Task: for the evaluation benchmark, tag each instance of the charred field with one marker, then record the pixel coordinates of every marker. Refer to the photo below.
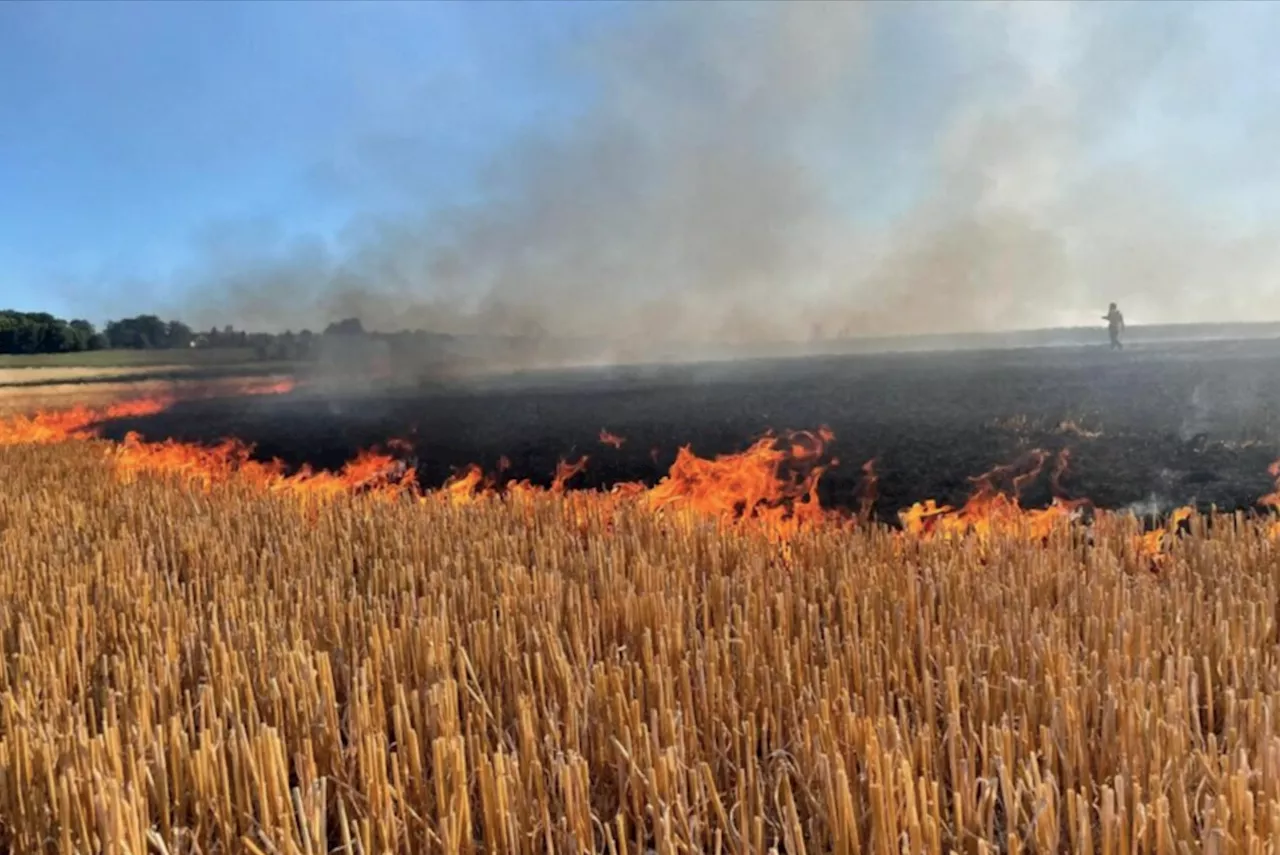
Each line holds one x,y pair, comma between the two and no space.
1148,428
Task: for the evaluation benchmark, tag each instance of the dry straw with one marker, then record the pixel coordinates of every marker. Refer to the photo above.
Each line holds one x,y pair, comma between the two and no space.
231,670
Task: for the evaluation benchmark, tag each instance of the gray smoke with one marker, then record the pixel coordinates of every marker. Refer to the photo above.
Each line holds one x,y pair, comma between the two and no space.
755,173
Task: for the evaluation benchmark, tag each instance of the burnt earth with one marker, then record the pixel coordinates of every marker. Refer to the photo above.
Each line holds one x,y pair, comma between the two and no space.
1179,423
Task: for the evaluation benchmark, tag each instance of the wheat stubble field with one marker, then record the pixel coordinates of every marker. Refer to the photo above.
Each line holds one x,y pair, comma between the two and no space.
208,656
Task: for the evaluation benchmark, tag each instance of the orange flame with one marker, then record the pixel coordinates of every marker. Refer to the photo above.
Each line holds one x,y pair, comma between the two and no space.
262,387
460,489
370,470
1151,545
772,485
990,509
79,422
613,439
750,484
1272,499
567,471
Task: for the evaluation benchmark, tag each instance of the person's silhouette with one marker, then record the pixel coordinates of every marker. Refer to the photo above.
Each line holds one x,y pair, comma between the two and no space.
1115,326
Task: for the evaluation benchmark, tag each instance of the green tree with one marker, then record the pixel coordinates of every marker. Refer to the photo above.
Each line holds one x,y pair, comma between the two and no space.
144,332
41,332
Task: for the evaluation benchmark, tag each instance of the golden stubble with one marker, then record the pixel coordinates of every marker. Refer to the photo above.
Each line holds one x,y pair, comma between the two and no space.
230,670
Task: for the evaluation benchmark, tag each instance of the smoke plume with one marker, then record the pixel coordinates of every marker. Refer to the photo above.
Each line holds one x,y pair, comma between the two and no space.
754,173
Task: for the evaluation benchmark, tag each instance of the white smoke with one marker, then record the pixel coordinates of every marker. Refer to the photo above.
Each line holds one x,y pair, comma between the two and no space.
779,172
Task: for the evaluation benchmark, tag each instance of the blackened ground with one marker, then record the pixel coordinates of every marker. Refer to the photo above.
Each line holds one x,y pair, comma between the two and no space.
1194,423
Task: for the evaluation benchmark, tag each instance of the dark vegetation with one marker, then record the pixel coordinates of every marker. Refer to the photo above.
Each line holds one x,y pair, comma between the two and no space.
29,333
40,332
38,339
1180,423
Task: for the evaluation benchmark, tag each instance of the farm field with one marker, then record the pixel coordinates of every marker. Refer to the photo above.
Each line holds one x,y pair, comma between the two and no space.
206,652
135,359
55,395
105,375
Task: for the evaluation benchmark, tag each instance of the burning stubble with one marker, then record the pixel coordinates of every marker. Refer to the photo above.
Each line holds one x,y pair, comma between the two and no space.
769,488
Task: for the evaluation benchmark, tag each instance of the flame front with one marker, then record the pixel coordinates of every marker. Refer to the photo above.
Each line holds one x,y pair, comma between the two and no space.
991,510
371,470
76,423
775,486
1153,545
81,422
770,486
566,472
268,386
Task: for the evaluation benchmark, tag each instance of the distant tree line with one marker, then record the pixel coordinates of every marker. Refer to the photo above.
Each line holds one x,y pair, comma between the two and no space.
40,332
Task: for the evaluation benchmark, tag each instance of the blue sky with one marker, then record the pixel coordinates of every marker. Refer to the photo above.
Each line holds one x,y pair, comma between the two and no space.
906,166
130,132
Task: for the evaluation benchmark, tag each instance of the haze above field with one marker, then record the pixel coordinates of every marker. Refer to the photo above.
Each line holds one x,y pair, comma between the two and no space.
721,174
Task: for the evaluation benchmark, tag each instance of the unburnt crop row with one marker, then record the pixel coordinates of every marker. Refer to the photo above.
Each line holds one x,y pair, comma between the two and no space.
229,669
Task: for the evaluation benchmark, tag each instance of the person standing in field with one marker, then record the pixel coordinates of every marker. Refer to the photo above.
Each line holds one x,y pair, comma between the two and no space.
1115,326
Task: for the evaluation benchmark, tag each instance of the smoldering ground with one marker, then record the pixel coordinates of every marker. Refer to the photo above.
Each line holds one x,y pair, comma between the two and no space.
762,173
932,422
